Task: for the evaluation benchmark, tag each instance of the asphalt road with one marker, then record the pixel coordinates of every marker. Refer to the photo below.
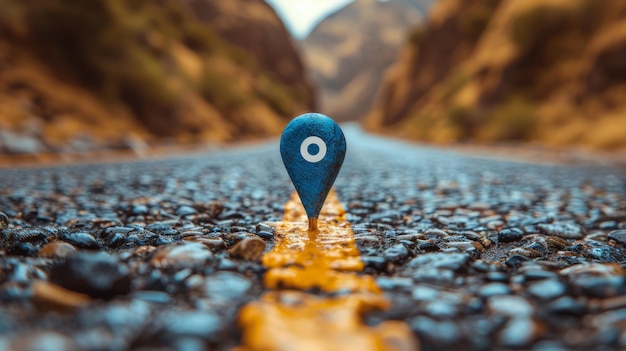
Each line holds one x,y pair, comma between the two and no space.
473,253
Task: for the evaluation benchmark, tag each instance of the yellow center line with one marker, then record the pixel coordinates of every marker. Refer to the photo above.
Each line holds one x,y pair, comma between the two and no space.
288,318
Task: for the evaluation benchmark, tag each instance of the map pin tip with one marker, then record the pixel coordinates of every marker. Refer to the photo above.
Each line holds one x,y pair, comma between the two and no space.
313,148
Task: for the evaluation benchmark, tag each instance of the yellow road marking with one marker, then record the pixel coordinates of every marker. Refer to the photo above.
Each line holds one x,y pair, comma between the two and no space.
289,319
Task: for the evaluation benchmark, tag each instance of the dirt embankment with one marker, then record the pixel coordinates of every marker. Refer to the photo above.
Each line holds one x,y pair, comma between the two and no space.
548,72
78,75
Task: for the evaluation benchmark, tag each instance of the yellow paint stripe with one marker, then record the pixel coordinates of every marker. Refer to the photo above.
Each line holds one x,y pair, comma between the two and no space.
290,319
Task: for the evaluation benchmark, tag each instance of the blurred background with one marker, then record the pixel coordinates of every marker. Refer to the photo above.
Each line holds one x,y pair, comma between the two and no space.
78,76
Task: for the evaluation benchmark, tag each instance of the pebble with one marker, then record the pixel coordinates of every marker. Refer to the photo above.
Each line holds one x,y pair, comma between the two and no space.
567,305
183,211
562,230
225,286
200,324
183,254
397,253
393,283
81,240
423,292
519,332
51,297
547,289
509,305
4,221
56,249
494,289
95,274
214,244
508,235
619,236
375,262
442,332
42,341
27,235
596,279
452,261
249,249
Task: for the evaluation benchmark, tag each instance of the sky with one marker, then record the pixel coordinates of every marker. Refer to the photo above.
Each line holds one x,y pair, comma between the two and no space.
301,16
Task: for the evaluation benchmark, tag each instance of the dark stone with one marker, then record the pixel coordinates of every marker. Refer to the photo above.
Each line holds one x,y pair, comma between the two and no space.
566,305
619,236
508,235
376,262
81,240
161,228
4,221
515,260
98,275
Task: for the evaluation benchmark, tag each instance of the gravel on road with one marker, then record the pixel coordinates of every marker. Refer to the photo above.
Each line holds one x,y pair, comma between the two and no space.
473,253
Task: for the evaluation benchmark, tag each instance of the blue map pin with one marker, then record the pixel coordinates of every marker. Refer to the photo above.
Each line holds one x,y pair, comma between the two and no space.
313,148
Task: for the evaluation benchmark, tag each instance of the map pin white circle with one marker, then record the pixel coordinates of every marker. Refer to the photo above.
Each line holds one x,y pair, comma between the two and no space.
313,140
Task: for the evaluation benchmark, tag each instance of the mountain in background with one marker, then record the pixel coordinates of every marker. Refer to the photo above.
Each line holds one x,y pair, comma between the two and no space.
546,71
78,75
348,52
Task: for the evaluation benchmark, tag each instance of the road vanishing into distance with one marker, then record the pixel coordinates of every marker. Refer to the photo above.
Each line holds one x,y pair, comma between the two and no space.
436,251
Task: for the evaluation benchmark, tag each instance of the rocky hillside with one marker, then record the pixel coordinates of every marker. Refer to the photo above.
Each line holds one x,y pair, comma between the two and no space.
78,75
546,71
350,50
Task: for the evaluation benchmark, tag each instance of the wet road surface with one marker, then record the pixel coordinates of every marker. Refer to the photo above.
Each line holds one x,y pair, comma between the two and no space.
471,253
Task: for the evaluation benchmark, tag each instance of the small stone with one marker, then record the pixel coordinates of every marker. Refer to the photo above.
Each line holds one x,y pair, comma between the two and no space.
265,235
32,235
139,210
562,230
422,293
41,341
597,279
212,243
51,297
226,286
181,254
519,332
427,246
493,289
525,252
508,305
204,325
452,261
375,262
81,240
98,275
393,283
183,211
397,253
161,228
443,332
152,296
567,305
56,249
249,249
547,289
515,260
508,235
618,235
4,221
441,309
